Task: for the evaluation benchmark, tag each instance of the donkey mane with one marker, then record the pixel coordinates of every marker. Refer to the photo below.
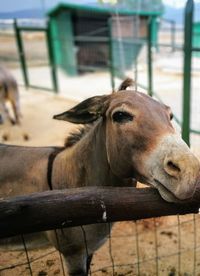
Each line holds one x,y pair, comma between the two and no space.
78,134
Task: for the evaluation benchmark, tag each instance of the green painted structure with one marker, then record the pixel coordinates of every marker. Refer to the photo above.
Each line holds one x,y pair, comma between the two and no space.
86,37
196,37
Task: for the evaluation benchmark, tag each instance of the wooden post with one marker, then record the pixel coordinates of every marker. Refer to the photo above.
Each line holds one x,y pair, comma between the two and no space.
80,206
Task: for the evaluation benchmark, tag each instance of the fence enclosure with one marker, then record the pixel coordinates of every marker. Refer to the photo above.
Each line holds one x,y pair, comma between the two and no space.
105,44
186,252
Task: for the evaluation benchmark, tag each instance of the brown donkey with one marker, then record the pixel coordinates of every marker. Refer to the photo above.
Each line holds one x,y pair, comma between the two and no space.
8,92
131,136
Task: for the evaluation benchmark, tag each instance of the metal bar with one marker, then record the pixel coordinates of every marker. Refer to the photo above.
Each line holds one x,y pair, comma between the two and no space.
194,131
137,248
166,45
106,39
195,49
188,22
32,29
177,47
179,245
156,247
167,20
91,39
92,68
105,9
51,57
21,53
149,54
111,62
100,30
168,29
173,33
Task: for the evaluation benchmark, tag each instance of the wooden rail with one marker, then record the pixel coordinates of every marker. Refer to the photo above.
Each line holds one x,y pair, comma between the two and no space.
73,207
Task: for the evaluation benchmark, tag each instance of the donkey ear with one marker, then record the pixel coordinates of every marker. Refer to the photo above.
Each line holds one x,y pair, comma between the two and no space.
86,112
125,84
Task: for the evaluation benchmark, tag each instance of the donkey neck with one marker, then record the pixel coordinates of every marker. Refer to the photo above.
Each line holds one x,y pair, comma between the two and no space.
85,163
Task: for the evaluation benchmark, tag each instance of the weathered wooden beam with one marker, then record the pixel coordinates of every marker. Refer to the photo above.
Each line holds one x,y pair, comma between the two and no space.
72,207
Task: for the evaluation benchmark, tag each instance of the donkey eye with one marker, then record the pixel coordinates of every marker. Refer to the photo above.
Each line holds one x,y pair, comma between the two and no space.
122,117
171,116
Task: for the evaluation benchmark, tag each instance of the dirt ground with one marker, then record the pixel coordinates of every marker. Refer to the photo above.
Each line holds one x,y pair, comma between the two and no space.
165,246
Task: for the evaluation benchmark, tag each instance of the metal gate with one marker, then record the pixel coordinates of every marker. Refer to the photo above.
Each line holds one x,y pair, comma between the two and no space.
22,51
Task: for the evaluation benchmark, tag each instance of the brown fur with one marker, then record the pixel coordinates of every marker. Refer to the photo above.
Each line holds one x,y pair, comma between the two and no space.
9,92
76,136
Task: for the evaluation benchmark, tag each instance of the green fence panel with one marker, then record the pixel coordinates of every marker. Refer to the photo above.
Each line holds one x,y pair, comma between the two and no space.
196,37
65,52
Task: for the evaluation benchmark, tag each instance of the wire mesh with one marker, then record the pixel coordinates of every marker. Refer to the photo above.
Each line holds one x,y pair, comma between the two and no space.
60,256
154,247
128,40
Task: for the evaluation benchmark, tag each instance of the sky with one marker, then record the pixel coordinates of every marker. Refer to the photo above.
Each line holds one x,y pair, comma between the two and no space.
13,5
177,3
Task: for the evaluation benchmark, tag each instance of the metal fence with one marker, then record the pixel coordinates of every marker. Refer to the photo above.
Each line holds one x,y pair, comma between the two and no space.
118,52
20,41
148,247
156,246
181,49
26,54
168,246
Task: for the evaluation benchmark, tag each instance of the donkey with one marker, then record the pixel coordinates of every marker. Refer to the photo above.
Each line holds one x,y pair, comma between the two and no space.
130,136
8,92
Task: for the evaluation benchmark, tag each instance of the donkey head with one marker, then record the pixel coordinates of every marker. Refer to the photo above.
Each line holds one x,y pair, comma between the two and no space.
141,142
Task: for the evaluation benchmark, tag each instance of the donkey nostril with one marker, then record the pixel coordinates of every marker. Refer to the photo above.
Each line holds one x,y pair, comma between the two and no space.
173,166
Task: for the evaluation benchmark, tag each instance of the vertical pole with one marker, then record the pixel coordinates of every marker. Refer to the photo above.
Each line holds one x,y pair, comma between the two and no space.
51,57
173,30
157,29
149,56
21,53
111,65
187,70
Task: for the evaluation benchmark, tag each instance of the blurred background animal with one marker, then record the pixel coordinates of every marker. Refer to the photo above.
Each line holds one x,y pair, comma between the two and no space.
9,93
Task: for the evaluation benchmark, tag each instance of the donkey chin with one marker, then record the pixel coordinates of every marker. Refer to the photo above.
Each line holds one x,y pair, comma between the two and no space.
173,169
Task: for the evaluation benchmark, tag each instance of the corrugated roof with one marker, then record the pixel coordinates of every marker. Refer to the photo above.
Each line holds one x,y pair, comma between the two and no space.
107,9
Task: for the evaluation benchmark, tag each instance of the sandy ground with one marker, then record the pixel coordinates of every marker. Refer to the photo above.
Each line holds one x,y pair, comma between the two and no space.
38,109
167,246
